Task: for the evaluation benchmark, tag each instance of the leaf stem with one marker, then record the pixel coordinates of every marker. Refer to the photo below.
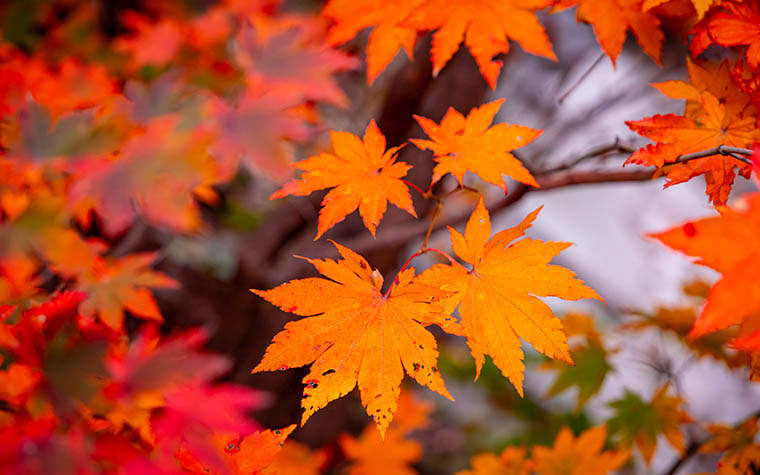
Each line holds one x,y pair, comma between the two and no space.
412,185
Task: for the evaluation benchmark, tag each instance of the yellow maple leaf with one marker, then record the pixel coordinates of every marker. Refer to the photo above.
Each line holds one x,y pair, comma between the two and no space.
361,173
468,144
497,298
579,456
512,461
357,334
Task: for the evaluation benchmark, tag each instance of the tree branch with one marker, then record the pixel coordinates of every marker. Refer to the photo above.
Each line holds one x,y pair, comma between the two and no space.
734,152
615,147
395,235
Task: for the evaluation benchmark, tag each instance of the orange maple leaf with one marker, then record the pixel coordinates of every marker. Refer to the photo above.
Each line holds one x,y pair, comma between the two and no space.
393,454
612,18
389,35
297,459
680,135
361,173
250,454
463,144
583,455
113,285
150,43
718,80
355,333
512,461
735,24
485,27
726,243
372,455
497,298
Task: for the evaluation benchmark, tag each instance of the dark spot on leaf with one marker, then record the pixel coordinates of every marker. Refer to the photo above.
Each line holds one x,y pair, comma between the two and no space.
690,230
329,371
283,367
312,383
276,432
232,447
416,366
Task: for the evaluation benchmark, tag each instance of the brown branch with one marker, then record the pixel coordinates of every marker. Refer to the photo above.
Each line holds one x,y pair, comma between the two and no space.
408,231
734,152
615,147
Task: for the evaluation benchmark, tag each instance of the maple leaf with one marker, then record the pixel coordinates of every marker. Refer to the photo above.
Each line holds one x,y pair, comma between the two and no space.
740,453
680,135
497,298
156,172
354,333
150,43
717,79
735,24
638,422
724,243
467,144
37,138
17,383
254,132
612,18
583,455
485,27
680,320
253,453
147,370
194,415
701,6
114,285
297,459
512,461
373,454
361,173
285,57
389,35
591,365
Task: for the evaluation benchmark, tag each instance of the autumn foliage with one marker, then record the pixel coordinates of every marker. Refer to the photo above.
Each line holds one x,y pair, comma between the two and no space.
129,135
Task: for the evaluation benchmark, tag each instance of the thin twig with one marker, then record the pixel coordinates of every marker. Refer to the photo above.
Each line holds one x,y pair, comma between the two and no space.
580,79
615,147
734,152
